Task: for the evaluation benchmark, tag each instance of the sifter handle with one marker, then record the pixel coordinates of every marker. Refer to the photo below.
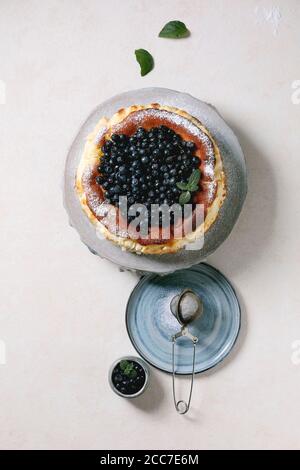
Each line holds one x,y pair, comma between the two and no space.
182,407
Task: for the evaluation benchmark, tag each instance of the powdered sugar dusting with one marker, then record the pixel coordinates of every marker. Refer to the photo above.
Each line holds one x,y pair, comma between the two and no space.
98,207
95,202
100,135
211,188
270,15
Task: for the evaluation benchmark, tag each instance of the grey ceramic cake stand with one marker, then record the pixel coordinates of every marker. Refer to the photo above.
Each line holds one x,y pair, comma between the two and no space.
234,165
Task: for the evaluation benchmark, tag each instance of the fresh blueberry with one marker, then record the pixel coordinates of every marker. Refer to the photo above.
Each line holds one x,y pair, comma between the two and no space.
99,179
190,145
115,138
123,169
135,164
145,160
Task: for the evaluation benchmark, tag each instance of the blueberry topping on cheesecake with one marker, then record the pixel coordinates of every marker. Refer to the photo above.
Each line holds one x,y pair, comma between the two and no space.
146,167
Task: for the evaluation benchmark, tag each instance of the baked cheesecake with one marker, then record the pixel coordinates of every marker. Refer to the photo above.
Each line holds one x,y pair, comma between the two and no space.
149,156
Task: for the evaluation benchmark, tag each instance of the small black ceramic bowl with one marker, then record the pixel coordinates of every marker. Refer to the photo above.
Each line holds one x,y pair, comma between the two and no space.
129,376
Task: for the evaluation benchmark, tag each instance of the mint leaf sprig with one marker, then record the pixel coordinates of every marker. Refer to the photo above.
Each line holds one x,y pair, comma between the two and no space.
127,369
189,187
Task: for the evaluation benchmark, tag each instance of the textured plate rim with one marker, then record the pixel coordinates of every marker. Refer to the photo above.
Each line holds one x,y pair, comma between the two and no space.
223,356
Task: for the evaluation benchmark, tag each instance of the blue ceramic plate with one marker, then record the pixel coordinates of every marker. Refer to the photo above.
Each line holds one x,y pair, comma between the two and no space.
150,323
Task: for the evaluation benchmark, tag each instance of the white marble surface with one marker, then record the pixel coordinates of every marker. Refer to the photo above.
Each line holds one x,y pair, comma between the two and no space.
62,309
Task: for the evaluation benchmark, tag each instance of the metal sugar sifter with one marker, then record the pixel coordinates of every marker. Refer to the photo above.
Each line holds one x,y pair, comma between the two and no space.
186,307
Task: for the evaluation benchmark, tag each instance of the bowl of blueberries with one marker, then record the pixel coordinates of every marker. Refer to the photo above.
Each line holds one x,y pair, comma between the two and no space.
129,376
